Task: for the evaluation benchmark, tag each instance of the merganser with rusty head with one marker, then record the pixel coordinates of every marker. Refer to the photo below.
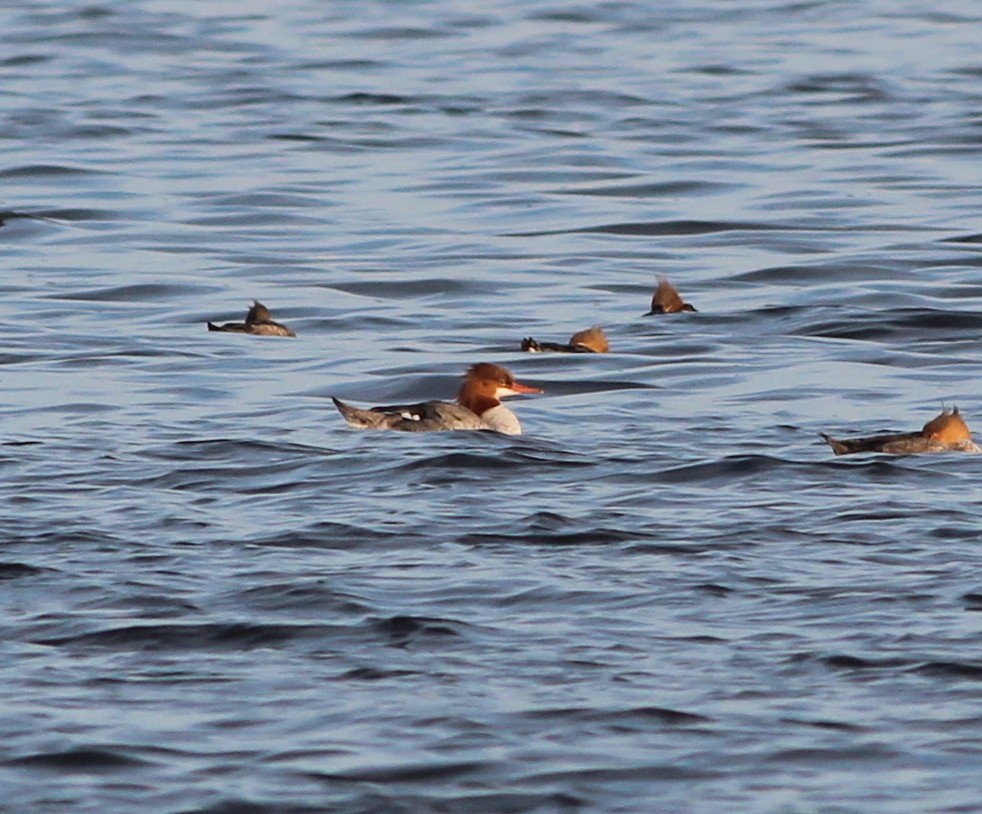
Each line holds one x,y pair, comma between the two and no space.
946,433
478,407
667,300
591,340
258,322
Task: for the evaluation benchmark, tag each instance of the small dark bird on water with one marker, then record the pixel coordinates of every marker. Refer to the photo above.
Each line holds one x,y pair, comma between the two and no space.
666,300
258,322
591,340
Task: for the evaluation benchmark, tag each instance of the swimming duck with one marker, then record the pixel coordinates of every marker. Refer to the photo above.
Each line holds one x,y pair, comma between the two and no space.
257,322
667,300
591,340
478,407
947,432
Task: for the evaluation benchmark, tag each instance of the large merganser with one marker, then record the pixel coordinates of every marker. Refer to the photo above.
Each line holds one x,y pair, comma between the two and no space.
478,407
946,433
592,340
258,322
666,300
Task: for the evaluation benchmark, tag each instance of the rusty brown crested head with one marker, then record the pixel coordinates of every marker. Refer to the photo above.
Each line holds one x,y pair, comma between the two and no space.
667,300
947,428
593,338
258,313
485,384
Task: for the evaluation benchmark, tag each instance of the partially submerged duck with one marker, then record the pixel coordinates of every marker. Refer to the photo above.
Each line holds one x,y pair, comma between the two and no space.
591,340
667,300
946,433
478,407
258,322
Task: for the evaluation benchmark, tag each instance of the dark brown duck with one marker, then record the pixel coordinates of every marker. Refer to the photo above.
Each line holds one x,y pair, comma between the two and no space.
667,300
258,322
591,340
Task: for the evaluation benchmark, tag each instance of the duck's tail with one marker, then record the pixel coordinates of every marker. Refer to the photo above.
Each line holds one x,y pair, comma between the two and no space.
361,419
838,447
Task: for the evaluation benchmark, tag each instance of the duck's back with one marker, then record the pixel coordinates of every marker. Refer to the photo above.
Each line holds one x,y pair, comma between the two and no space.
427,416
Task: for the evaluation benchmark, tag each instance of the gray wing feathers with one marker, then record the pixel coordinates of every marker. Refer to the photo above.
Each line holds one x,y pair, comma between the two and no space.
428,416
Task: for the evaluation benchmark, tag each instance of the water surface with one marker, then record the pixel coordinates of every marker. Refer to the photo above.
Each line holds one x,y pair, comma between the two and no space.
667,595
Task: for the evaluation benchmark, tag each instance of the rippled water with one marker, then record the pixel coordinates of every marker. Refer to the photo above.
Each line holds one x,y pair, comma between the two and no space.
667,595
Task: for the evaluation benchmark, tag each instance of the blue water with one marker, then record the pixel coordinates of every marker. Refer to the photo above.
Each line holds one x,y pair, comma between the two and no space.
668,595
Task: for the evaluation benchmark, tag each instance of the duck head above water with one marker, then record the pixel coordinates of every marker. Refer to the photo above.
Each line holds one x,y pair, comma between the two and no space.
949,428
258,313
667,300
486,384
593,339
